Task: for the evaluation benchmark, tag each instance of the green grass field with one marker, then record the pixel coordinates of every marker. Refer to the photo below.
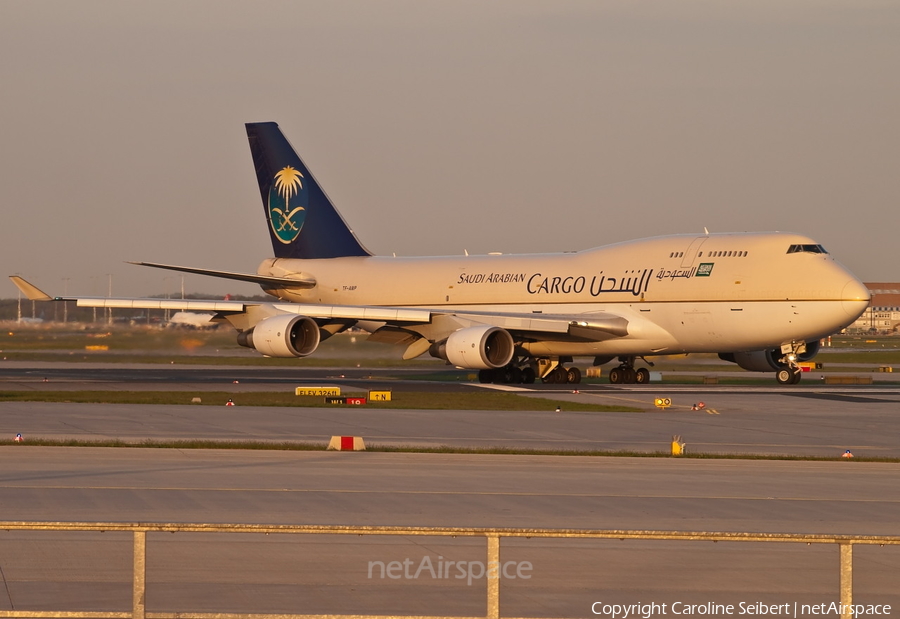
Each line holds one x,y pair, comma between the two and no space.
481,400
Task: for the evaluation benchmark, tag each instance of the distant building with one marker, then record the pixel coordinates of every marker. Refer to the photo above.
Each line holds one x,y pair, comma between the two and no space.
883,313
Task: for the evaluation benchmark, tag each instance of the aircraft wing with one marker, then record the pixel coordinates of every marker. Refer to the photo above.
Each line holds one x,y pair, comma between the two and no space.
398,325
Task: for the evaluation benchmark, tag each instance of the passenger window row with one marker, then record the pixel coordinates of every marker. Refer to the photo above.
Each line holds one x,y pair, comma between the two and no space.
724,254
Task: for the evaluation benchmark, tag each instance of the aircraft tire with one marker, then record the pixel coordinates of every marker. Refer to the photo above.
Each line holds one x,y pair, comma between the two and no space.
485,376
514,375
796,378
642,376
784,376
629,375
528,375
615,376
573,376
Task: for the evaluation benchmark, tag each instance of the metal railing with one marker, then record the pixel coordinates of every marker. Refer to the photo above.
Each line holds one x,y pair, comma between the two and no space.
493,536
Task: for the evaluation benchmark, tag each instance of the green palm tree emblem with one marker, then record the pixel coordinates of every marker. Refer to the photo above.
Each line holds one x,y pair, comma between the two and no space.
287,185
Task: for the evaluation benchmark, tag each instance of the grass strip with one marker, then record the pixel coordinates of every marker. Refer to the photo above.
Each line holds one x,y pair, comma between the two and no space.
475,400
440,449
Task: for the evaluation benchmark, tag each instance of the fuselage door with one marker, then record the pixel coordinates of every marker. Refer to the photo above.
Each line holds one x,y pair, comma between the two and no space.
688,260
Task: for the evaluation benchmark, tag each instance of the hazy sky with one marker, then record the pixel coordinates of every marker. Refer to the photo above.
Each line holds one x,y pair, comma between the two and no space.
439,127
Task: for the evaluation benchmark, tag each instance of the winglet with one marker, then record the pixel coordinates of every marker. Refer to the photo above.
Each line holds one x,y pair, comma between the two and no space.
32,292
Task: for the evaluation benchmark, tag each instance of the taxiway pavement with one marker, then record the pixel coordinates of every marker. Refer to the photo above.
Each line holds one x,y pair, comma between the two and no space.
812,423
244,573
318,574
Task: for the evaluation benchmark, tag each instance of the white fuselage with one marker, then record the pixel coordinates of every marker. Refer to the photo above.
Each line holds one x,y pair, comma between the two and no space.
679,293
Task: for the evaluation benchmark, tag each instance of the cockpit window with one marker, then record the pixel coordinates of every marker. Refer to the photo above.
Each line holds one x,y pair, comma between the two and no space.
809,249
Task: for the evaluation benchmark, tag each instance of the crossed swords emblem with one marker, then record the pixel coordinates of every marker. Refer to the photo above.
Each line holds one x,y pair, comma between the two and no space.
287,219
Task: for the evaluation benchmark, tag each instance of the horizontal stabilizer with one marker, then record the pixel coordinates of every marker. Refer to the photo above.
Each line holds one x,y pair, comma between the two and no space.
266,280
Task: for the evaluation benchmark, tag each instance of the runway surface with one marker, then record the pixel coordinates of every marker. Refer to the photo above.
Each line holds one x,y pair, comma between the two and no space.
33,375
318,574
814,423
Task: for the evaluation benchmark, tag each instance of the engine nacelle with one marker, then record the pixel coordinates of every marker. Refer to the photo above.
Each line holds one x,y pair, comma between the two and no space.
285,335
477,348
812,349
768,360
756,361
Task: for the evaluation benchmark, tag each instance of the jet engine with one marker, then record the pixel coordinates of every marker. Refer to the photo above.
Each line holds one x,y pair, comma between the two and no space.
476,348
285,335
768,360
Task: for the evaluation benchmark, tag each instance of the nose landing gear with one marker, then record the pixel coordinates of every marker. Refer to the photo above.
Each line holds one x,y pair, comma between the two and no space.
788,376
790,373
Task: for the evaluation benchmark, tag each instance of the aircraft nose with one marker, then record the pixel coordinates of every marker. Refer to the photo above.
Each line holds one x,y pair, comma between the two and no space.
855,297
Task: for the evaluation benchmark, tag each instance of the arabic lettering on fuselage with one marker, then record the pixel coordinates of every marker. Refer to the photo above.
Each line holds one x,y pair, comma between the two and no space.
633,281
672,274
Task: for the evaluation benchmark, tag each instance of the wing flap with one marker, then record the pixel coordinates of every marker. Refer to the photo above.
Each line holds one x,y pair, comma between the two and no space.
358,312
197,305
595,327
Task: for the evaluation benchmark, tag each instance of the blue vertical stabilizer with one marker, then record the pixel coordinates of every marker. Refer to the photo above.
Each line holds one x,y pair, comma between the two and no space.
302,221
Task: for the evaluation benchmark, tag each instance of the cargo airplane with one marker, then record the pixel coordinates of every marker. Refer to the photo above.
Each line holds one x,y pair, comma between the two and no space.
760,300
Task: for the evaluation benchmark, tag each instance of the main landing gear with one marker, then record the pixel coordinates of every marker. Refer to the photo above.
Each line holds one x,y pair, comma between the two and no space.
552,371
626,374
562,376
526,371
512,374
